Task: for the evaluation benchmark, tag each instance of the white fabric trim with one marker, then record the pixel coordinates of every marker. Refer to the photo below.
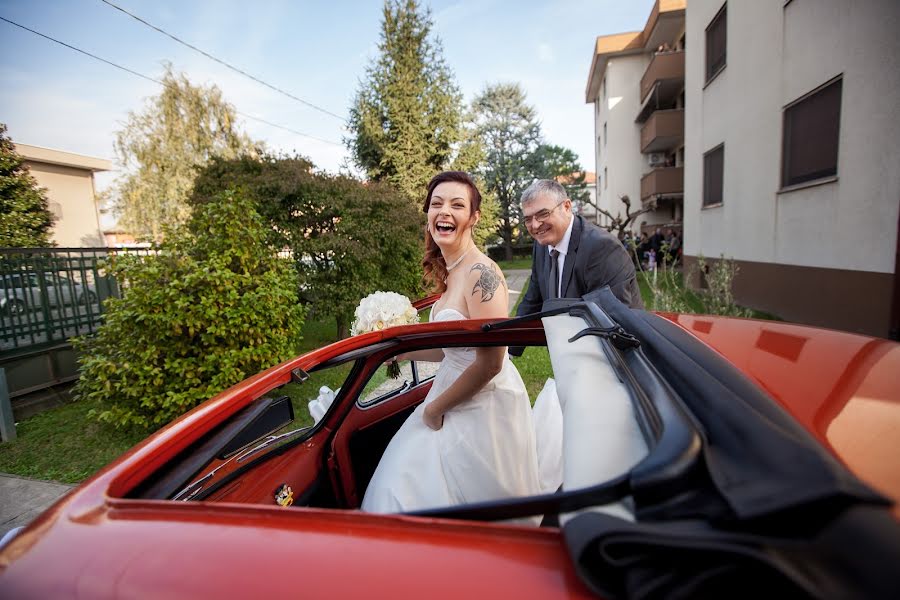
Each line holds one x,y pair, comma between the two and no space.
601,436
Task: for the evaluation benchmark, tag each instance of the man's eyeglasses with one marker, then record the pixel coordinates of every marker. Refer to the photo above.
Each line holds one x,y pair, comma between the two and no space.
541,215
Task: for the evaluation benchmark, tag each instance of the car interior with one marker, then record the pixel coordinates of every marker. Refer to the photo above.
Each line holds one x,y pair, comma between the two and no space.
647,445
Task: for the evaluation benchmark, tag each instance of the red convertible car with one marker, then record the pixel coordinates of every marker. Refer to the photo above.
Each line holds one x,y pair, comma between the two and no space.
769,466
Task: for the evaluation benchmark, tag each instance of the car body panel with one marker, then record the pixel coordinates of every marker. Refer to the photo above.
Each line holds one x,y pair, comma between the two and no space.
193,550
843,388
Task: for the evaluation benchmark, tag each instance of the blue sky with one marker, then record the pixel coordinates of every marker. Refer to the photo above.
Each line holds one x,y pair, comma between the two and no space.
52,96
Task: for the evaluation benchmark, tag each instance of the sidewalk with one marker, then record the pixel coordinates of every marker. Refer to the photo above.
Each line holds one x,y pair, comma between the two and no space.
21,499
515,281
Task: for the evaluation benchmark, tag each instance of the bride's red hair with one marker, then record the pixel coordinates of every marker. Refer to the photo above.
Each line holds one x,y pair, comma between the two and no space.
433,262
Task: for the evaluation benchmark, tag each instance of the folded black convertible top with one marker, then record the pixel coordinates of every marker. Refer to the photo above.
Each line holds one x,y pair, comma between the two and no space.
771,513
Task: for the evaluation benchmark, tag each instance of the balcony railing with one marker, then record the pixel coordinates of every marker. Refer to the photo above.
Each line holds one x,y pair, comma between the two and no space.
664,130
663,67
662,182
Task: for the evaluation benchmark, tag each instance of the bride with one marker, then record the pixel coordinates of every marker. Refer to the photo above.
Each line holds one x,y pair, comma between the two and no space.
472,439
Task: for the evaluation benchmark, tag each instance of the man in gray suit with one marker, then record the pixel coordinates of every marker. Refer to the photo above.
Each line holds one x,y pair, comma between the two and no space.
571,257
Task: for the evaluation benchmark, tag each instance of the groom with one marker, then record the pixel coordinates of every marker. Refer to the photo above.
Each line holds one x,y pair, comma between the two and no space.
571,257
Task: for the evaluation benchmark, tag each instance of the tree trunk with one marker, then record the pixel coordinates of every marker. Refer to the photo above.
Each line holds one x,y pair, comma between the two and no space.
343,327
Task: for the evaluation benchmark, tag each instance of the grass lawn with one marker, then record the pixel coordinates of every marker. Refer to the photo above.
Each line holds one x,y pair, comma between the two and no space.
63,444
516,263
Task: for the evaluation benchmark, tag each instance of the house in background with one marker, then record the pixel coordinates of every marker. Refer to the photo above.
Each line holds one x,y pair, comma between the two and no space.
69,181
792,156
636,83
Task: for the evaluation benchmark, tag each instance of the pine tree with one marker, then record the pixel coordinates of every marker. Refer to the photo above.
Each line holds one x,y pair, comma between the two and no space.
25,220
162,147
406,122
510,133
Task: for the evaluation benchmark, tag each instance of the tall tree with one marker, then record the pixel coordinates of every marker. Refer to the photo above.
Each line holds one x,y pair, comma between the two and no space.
510,133
25,220
561,164
162,147
406,118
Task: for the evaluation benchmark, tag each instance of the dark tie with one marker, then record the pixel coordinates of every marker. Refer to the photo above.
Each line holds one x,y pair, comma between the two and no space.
554,273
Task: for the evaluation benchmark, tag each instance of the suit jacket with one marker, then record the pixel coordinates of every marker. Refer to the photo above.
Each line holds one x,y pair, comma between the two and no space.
595,259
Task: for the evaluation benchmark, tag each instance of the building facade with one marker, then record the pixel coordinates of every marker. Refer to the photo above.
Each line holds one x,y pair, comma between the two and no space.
69,181
636,84
792,155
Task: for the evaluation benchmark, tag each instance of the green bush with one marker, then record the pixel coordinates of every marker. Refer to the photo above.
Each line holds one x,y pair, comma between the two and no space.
348,238
214,306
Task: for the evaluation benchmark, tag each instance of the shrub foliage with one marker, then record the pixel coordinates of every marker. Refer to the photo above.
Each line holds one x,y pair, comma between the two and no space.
348,238
214,306
25,218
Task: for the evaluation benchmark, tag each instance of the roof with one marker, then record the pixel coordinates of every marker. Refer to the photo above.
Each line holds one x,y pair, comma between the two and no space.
589,178
665,12
65,159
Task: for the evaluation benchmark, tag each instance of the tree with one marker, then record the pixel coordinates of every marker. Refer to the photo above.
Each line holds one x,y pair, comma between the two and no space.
406,118
560,164
25,220
213,307
619,224
348,238
162,147
510,133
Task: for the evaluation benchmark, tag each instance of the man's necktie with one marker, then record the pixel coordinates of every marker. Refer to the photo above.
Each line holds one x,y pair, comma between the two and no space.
554,273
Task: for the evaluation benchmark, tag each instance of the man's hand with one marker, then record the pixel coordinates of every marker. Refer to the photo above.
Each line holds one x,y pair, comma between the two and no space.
433,419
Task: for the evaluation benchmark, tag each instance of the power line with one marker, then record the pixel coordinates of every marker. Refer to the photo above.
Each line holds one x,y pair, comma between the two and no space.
222,62
47,37
159,81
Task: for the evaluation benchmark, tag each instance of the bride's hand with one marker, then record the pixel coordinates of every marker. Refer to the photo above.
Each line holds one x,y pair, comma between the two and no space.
432,418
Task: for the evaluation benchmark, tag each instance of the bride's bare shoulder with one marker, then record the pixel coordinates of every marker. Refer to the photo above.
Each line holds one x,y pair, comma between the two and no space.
485,281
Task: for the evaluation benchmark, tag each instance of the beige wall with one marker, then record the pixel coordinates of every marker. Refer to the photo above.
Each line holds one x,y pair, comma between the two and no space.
776,53
822,253
69,181
621,155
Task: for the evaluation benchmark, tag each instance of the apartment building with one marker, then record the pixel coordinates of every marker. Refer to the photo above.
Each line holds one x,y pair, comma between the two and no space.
69,181
792,155
636,83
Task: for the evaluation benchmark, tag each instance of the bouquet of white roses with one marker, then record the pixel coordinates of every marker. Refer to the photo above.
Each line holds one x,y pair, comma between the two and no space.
382,310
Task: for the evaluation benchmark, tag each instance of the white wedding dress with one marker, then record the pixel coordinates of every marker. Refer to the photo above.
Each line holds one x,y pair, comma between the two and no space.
486,449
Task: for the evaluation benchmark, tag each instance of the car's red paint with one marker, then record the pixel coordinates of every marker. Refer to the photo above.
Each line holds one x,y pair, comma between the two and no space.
97,543
844,388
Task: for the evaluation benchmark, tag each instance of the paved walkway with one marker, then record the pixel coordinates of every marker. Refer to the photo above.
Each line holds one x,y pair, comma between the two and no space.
21,499
515,280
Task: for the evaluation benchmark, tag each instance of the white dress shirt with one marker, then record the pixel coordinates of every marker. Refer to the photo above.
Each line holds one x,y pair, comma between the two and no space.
562,248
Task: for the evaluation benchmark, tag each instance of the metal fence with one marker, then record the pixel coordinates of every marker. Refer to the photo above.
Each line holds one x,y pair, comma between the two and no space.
48,295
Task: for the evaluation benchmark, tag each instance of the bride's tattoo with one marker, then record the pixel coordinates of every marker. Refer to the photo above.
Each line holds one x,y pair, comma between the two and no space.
489,281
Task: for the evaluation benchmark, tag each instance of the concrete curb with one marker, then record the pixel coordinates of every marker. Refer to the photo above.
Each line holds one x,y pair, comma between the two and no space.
23,499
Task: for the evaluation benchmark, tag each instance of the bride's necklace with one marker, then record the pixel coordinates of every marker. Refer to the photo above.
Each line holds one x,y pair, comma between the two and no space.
459,260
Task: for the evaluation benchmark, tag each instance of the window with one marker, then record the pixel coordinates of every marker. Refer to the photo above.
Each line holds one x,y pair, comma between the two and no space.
605,137
605,178
604,88
713,175
715,44
810,135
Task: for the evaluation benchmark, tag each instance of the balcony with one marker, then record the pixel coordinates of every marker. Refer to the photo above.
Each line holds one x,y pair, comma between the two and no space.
664,68
665,181
664,130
